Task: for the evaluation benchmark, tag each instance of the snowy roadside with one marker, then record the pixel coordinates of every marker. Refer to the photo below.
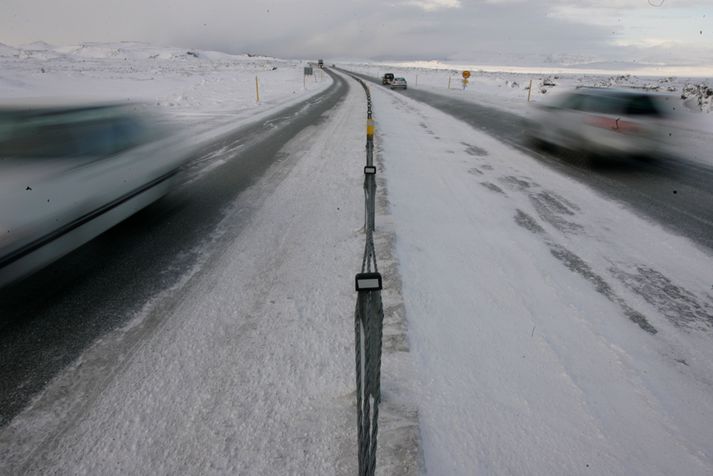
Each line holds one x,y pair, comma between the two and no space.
209,91
252,373
552,330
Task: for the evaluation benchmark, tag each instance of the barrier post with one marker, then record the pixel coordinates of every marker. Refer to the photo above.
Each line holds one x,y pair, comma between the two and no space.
529,92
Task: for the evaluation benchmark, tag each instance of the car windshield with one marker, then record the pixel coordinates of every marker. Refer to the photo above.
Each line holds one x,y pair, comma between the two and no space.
68,133
402,237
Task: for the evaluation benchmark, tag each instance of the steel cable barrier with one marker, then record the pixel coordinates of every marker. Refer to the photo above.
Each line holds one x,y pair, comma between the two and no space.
368,317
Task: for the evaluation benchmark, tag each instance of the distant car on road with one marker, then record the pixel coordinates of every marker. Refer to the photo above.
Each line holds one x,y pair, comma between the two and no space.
387,78
69,172
398,83
604,121
320,63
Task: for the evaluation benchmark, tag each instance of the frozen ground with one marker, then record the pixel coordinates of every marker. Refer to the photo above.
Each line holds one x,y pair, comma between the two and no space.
553,331
692,128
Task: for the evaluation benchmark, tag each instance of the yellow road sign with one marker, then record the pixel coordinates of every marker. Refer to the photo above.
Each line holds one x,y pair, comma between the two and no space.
466,74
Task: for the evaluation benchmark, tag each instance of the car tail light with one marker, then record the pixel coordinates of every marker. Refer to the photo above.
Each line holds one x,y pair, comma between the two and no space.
615,124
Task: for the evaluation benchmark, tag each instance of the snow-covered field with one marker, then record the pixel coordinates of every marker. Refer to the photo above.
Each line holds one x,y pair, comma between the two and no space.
194,86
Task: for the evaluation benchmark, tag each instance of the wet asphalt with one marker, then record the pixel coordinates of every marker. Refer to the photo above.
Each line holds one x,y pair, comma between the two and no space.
50,318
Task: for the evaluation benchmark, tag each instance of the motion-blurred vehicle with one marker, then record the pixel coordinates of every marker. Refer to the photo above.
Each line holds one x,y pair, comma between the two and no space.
604,121
387,78
70,172
398,83
320,63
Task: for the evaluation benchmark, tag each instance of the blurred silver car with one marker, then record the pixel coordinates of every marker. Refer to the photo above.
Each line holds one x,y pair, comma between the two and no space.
604,121
398,83
70,172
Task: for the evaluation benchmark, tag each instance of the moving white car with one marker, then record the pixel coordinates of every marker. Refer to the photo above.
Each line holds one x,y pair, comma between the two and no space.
605,121
70,172
398,83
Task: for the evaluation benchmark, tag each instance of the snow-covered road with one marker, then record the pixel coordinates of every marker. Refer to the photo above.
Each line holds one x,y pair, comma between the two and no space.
553,330
244,366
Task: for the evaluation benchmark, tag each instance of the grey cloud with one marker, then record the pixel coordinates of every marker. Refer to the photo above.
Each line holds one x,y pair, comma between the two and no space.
482,30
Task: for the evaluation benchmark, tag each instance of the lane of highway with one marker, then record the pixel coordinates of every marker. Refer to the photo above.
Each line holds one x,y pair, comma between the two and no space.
47,320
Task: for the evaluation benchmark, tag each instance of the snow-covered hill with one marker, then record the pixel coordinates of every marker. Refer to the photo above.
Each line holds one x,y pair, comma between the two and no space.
185,82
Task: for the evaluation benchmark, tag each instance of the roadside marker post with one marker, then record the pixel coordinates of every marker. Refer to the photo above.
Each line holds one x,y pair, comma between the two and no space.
529,91
307,72
257,90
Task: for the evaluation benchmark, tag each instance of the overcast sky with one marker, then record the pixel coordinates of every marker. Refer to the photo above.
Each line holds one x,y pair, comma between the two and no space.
459,30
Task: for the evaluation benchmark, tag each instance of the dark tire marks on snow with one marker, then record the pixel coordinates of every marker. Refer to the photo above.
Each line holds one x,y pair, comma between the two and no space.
553,209
474,150
680,306
493,188
577,265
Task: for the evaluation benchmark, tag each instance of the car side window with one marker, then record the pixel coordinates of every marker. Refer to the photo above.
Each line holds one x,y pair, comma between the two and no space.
571,102
642,106
603,104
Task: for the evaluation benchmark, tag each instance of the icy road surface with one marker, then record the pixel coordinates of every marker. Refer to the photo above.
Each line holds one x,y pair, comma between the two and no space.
553,330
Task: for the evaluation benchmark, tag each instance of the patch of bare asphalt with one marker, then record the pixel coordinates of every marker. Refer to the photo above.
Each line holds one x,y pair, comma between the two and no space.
515,182
492,187
474,150
527,222
680,306
553,209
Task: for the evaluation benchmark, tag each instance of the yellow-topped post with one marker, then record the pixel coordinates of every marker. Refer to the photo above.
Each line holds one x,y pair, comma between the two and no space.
370,128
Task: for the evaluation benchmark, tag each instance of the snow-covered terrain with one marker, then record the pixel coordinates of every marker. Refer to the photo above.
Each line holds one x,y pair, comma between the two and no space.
244,366
199,86
553,331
